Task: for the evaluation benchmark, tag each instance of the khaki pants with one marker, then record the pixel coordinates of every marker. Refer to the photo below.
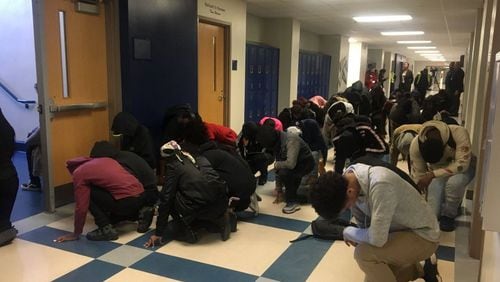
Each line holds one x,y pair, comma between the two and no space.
398,260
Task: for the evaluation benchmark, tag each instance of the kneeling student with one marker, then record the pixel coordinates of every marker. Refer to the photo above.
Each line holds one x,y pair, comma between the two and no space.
111,194
396,227
194,195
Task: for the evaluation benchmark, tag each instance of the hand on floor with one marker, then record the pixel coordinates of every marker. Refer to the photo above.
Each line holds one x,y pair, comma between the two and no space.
67,237
154,239
280,197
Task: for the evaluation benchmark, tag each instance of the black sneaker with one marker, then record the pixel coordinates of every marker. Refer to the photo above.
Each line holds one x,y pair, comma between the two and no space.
431,273
31,187
105,233
145,218
447,224
225,231
7,236
233,220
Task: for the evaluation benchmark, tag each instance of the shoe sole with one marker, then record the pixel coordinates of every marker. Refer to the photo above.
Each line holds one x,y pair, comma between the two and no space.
291,211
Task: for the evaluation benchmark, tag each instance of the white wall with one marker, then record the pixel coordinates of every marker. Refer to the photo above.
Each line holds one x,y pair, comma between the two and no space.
388,59
255,29
364,62
354,62
338,48
17,65
232,13
309,41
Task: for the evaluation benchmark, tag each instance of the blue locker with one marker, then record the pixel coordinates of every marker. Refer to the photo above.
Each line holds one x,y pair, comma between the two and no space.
314,75
261,91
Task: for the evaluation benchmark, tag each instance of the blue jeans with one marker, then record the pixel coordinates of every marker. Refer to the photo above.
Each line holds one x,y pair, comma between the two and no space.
445,194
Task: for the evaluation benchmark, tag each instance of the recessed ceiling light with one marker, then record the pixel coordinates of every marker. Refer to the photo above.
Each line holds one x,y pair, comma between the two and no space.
382,19
400,33
422,47
427,52
415,42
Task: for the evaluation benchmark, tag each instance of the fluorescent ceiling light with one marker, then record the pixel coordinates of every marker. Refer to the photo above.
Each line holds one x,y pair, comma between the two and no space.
415,42
400,33
421,47
427,52
382,19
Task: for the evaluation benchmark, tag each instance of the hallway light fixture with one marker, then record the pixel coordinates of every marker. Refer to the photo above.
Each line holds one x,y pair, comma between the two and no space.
421,47
401,33
414,42
382,19
426,51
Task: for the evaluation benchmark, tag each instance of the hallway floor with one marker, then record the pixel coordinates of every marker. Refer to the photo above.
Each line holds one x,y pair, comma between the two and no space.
258,251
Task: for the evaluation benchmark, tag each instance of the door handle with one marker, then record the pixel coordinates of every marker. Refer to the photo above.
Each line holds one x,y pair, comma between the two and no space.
76,107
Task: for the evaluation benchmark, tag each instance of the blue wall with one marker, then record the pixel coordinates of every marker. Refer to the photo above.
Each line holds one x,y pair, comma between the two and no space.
170,77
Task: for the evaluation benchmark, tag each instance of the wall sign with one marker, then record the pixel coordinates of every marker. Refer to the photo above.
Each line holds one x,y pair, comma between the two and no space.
215,9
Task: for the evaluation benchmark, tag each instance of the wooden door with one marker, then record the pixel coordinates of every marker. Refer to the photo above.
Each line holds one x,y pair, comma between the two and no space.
212,58
70,124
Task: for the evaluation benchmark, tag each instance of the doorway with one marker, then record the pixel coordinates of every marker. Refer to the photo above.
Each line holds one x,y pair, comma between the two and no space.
72,70
213,61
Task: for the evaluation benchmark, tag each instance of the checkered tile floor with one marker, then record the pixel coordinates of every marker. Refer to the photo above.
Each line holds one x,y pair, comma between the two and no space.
258,251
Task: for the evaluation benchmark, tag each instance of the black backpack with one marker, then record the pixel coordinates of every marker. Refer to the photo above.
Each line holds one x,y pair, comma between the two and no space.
333,229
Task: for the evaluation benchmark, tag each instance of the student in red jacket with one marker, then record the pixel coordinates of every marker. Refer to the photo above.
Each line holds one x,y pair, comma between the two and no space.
103,187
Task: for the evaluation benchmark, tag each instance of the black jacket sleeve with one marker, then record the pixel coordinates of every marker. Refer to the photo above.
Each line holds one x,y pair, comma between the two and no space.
167,195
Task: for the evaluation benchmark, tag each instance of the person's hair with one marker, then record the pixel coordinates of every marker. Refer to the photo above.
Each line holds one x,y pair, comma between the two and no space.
269,122
329,194
196,132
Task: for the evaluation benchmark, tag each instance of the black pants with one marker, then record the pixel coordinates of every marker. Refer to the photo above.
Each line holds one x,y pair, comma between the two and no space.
106,210
32,143
291,178
260,162
8,192
454,103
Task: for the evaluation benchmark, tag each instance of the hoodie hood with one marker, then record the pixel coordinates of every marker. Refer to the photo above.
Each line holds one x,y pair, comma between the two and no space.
177,110
357,86
124,123
103,149
73,164
249,130
443,128
338,110
268,137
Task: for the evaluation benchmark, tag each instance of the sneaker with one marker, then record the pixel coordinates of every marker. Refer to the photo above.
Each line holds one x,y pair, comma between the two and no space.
447,224
254,204
145,218
105,233
30,187
225,232
431,273
7,236
291,208
233,220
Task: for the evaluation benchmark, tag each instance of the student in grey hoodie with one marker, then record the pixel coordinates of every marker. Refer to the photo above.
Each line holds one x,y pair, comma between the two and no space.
396,227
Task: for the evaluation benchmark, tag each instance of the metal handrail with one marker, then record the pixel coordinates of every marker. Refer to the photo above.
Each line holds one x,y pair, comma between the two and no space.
26,103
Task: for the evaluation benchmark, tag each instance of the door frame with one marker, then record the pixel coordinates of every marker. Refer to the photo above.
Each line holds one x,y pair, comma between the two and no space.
227,63
114,86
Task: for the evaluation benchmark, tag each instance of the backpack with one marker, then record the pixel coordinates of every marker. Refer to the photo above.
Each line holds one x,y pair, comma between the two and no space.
326,229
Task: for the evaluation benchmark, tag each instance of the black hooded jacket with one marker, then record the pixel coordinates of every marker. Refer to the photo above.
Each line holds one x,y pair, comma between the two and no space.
134,164
7,146
191,191
136,137
234,171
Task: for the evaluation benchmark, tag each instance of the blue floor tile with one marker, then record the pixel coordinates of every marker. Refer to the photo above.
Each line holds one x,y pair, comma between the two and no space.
298,261
46,235
274,221
187,270
27,203
446,253
95,270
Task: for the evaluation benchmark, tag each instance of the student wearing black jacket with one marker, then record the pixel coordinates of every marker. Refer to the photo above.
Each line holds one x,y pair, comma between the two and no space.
8,181
135,137
234,171
193,194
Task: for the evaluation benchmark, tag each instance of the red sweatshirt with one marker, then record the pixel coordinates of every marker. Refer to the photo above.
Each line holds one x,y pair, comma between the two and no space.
221,134
105,173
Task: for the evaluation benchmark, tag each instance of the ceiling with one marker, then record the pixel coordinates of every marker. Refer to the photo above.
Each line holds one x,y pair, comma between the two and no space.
447,23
